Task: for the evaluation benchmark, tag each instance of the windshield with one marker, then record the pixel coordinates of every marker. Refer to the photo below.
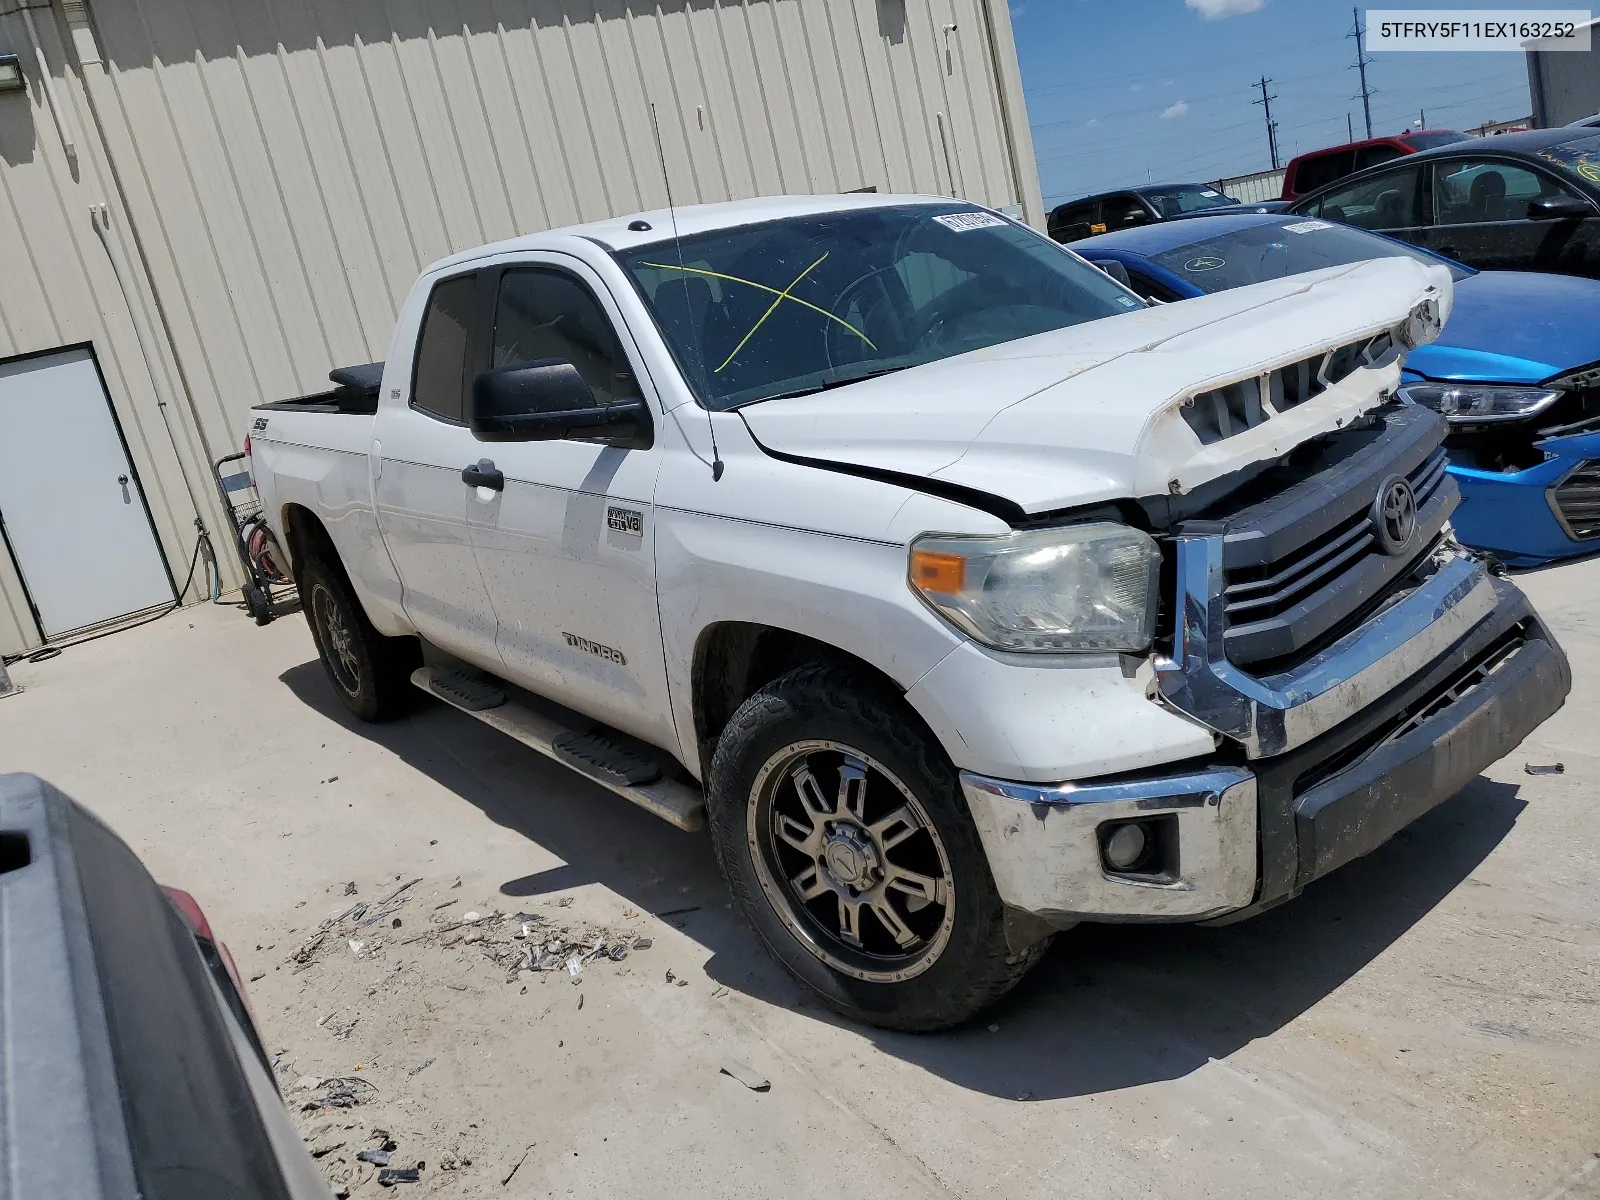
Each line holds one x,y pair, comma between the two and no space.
806,303
1580,157
1427,141
1271,251
1185,198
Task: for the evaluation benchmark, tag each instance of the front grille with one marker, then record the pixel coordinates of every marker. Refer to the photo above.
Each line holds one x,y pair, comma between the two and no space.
1491,659
1301,561
1254,594
1222,412
1577,501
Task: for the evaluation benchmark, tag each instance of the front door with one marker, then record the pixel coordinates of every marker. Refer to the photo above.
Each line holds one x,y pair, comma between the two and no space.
1481,218
422,448
70,504
567,548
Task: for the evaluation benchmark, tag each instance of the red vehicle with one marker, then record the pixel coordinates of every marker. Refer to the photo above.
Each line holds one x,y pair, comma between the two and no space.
1318,168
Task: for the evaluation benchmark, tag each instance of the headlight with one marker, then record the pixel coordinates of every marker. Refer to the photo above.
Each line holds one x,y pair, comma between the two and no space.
1075,587
1465,403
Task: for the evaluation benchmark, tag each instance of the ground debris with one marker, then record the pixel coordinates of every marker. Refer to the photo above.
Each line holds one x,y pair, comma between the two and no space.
390,1176
751,1080
378,1158
516,1166
340,1091
1545,768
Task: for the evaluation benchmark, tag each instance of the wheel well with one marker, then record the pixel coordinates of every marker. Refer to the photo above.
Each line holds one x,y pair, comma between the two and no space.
735,659
306,535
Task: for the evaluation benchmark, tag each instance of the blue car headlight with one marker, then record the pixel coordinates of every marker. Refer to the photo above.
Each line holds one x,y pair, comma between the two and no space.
1469,403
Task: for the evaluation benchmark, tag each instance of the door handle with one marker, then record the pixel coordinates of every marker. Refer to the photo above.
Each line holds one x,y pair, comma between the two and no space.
484,473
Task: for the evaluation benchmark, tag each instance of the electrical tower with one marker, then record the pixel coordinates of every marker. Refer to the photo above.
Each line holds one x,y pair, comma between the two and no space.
1272,126
1361,65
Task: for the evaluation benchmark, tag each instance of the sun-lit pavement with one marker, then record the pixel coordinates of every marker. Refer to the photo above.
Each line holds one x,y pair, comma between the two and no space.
1424,1023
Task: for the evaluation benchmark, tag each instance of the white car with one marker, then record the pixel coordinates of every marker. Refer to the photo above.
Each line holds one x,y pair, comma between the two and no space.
964,596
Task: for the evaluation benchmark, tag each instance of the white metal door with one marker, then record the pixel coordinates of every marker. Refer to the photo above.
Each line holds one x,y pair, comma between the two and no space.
73,511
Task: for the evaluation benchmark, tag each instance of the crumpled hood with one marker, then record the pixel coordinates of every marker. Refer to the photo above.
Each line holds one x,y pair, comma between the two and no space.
1515,327
1092,412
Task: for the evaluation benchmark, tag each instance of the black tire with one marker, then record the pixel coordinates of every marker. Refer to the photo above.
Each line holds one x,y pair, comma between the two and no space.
257,604
788,733
370,673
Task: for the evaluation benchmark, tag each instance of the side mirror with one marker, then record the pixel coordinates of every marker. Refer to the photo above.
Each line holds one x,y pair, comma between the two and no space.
1558,208
547,401
1116,270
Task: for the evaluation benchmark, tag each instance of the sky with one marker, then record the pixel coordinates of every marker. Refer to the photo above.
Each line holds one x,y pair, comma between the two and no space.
1121,92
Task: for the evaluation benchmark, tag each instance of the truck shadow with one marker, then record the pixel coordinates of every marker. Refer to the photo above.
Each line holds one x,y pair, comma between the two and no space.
1110,1007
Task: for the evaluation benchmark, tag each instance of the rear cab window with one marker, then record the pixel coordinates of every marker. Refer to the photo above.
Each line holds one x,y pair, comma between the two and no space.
1323,169
438,377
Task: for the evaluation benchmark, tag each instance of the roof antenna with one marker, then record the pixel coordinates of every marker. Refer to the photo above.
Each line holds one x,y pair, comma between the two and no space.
683,274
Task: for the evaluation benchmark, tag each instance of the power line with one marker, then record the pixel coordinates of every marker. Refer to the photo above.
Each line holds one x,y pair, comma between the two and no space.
1361,65
1272,126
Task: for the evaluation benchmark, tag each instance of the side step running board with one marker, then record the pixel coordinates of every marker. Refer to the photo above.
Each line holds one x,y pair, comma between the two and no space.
608,763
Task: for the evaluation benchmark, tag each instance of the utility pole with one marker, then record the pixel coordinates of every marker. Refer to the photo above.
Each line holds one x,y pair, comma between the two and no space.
1422,118
1272,126
1349,129
1361,65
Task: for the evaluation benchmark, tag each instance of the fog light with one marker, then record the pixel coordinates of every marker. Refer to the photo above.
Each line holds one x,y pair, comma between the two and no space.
1125,846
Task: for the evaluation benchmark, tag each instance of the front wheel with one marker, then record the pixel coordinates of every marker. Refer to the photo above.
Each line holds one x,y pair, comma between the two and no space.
840,826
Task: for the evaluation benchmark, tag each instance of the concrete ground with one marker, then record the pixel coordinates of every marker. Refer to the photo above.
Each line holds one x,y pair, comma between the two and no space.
1424,1023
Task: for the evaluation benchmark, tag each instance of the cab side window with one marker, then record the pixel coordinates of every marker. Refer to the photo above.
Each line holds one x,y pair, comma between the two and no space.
1313,173
1073,221
1471,192
439,376
1388,201
544,314
1124,212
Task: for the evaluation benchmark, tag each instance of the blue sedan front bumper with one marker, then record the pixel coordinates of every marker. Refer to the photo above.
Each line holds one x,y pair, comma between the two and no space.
1526,517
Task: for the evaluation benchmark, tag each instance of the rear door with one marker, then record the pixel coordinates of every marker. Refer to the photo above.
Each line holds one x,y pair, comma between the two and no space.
423,444
1388,202
1480,216
567,549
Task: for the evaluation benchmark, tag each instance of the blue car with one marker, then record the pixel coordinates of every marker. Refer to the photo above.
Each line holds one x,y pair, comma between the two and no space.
1516,370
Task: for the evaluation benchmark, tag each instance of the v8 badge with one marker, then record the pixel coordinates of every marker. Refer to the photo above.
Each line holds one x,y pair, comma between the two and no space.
625,520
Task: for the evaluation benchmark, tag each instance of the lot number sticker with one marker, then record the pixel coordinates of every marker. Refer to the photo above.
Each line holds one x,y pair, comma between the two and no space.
962,222
1307,226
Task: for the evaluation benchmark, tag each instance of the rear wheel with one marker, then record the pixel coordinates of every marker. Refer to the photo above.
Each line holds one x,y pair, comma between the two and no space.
843,835
371,674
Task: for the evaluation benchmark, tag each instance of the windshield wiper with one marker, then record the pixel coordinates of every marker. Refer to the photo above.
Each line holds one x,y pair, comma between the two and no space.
836,382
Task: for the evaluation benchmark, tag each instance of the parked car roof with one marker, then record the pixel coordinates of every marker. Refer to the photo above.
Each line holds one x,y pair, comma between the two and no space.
1160,236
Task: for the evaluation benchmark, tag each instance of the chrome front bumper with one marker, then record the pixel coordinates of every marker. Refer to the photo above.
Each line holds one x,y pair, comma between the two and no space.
1247,836
1043,844
1272,714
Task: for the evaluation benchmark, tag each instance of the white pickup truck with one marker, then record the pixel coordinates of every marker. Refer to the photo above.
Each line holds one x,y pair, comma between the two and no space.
963,595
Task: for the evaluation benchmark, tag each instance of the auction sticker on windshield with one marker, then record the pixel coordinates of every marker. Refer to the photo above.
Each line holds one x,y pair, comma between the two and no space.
1306,226
963,222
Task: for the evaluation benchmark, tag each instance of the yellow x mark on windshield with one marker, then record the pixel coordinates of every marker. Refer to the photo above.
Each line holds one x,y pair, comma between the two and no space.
779,298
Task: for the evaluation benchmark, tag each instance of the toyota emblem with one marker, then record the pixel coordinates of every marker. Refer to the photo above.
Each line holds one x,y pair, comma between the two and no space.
1394,515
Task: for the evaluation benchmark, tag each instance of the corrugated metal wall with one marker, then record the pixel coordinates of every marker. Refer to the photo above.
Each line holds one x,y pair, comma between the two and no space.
59,287
288,167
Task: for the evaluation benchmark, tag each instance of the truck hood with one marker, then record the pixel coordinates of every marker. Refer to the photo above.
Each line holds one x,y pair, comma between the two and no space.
1094,412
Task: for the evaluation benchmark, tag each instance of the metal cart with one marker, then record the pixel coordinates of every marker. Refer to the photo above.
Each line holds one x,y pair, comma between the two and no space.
267,588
